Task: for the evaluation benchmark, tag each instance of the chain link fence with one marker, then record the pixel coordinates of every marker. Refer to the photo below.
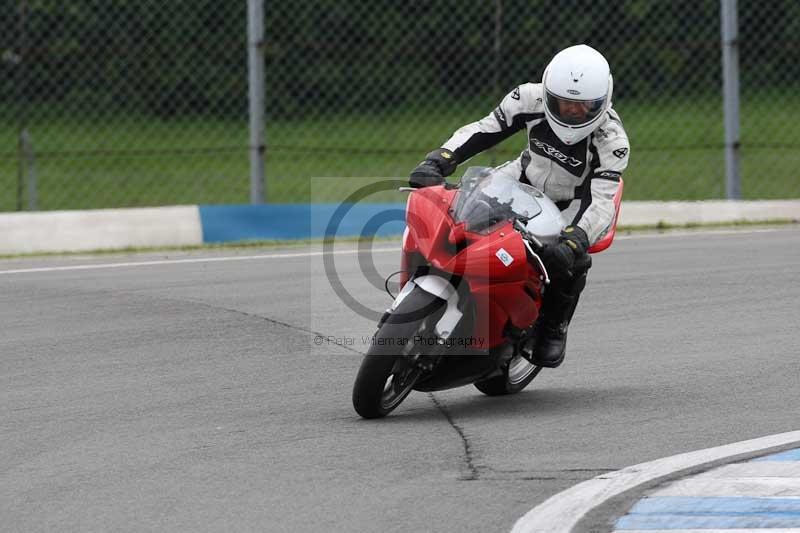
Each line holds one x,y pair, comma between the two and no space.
112,103
109,103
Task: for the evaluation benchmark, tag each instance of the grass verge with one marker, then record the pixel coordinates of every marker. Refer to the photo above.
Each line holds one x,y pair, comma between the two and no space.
111,161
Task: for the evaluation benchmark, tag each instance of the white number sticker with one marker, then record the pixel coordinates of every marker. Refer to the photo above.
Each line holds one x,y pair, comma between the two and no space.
504,256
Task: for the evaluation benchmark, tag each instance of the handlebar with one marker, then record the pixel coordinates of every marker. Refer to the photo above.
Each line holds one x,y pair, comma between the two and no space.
534,245
448,186
528,236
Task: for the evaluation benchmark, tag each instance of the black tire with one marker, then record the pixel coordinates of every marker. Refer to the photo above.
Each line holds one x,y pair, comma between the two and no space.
516,376
374,395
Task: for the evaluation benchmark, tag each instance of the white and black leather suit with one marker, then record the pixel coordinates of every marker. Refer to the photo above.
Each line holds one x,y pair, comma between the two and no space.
588,170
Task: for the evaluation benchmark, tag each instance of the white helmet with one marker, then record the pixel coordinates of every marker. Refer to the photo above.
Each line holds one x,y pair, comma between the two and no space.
577,92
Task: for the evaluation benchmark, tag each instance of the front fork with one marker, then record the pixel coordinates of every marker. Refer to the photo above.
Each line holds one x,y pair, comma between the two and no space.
447,323
442,289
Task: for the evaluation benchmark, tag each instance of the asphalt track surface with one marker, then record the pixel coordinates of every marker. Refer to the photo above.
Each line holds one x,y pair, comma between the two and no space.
192,396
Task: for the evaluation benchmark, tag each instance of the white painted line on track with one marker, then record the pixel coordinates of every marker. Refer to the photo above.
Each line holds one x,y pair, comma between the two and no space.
756,487
771,530
760,469
133,264
695,233
261,257
562,512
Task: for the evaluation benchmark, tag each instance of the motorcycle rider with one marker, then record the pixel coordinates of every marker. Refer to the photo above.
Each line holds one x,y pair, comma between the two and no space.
577,149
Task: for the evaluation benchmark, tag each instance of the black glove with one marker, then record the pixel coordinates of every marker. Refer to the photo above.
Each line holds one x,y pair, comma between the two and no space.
569,255
437,165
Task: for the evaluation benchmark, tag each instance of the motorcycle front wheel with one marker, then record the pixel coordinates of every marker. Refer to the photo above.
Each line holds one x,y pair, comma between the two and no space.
393,362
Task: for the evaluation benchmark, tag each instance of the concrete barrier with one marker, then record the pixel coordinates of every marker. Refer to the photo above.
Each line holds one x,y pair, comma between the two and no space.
109,229
101,229
707,212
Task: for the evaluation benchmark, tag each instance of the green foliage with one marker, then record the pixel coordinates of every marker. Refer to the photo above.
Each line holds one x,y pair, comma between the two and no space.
181,57
119,55
676,154
139,102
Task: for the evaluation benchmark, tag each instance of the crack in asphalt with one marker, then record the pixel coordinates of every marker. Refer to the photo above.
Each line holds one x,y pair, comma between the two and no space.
567,474
267,319
472,470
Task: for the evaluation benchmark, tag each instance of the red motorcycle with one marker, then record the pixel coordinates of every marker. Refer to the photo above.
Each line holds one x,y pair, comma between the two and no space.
471,288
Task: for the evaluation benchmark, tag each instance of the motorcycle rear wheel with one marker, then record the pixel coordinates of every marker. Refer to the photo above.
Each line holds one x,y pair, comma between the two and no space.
519,373
388,372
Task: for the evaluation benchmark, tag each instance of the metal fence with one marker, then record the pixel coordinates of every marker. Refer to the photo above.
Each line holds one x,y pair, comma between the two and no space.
107,103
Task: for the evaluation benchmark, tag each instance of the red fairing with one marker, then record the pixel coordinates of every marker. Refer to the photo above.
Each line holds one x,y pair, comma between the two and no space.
428,220
506,290
606,241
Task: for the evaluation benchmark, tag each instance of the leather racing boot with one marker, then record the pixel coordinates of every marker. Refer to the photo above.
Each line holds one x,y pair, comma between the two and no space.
551,329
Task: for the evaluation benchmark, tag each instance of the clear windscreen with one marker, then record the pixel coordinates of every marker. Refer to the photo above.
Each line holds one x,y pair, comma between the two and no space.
485,199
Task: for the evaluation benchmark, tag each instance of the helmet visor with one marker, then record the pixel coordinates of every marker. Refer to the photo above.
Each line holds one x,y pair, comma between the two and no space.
573,113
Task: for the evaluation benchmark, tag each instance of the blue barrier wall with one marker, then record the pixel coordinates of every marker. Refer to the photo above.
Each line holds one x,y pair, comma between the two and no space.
225,223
